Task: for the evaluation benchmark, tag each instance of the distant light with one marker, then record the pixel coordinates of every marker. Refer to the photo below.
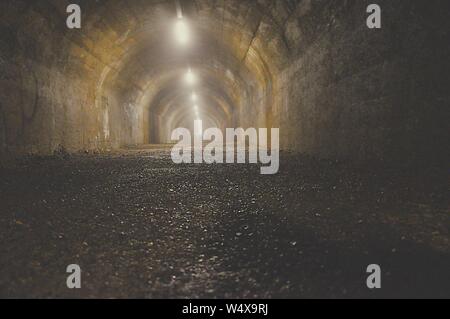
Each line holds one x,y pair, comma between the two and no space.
194,97
179,10
198,127
181,32
196,107
190,77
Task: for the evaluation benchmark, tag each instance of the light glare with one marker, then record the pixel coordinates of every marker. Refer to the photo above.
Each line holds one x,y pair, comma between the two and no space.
181,32
190,78
198,127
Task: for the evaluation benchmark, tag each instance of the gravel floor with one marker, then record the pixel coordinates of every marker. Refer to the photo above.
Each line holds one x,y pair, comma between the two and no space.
141,227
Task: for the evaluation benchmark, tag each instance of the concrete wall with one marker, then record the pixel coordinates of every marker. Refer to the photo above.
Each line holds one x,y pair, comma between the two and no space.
350,91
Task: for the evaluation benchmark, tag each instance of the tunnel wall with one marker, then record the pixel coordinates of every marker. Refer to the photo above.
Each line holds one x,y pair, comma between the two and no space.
51,98
338,89
351,91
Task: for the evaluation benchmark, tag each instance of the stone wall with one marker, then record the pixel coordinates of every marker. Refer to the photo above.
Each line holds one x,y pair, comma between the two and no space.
355,92
334,87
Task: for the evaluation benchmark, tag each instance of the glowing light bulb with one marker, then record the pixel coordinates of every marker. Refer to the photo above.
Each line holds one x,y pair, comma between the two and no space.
181,32
190,77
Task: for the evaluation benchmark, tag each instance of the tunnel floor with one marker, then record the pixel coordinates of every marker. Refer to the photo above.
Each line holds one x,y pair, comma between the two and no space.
141,227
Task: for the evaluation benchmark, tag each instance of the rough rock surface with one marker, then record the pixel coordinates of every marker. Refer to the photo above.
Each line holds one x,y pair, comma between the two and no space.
140,226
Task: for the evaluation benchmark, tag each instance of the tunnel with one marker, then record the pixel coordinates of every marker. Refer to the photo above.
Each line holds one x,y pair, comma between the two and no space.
86,121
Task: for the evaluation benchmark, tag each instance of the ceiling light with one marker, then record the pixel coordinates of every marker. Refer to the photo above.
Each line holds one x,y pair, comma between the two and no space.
190,77
181,32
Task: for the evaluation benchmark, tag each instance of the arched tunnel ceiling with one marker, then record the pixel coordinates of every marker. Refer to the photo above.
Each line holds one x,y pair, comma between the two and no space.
169,103
144,65
125,60
299,65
